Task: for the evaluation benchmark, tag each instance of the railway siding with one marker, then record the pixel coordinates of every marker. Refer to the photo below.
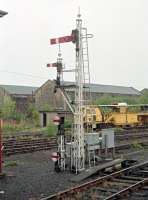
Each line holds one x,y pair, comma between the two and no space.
25,145
109,187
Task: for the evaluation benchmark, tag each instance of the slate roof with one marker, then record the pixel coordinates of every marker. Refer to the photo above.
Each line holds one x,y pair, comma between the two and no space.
114,89
19,90
111,89
97,88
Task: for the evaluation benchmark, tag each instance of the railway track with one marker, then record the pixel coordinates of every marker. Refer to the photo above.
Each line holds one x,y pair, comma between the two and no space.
25,146
16,146
130,182
40,134
120,137
38,146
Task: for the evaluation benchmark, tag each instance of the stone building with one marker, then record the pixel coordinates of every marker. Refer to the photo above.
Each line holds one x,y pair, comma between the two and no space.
49,103
22,95
47,99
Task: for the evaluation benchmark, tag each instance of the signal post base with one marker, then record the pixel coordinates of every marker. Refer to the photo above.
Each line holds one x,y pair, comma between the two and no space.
2,175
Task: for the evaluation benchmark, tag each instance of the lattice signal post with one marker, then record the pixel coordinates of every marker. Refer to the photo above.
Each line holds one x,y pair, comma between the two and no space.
78,154
82,85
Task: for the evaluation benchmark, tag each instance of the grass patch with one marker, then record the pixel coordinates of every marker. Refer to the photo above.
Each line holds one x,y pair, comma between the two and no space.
136,145
12,129
10,164
118,130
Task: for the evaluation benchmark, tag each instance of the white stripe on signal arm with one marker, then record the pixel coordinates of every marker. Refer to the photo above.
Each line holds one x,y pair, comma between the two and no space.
57,40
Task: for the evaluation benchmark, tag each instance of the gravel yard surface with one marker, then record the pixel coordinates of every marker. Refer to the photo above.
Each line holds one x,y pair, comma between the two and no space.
33,177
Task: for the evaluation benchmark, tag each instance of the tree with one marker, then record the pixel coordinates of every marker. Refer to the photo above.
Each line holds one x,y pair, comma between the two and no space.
8,109
144,98
106,100
33,114
47,107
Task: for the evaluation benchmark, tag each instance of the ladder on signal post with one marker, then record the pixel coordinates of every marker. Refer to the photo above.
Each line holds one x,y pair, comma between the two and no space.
87,96
86,71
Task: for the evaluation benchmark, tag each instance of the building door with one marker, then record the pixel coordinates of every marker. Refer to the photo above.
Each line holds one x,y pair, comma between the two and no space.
44,119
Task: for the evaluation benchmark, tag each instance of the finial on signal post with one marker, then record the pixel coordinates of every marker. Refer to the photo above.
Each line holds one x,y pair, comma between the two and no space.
79,15
59,53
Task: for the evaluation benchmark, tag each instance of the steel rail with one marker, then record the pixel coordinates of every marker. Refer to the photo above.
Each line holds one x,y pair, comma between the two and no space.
41,134
26,137
13,146
85,186
37,146
128,190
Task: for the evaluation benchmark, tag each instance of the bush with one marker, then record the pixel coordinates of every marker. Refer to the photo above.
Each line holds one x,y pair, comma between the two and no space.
19,116
47,107
33,114
14,128
144,99
51,129
67,124
107,99
104,100
117,99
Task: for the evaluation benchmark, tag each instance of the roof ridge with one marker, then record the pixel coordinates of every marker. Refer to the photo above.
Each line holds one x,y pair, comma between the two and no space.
106,85
18,89
18,85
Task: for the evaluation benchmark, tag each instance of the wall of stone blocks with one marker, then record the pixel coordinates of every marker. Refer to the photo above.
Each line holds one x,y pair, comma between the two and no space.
46,98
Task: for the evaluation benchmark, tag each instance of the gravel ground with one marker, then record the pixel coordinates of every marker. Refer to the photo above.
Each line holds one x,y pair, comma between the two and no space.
33,177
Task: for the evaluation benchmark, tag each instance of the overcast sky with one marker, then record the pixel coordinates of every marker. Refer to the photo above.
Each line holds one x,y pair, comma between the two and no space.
118,51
